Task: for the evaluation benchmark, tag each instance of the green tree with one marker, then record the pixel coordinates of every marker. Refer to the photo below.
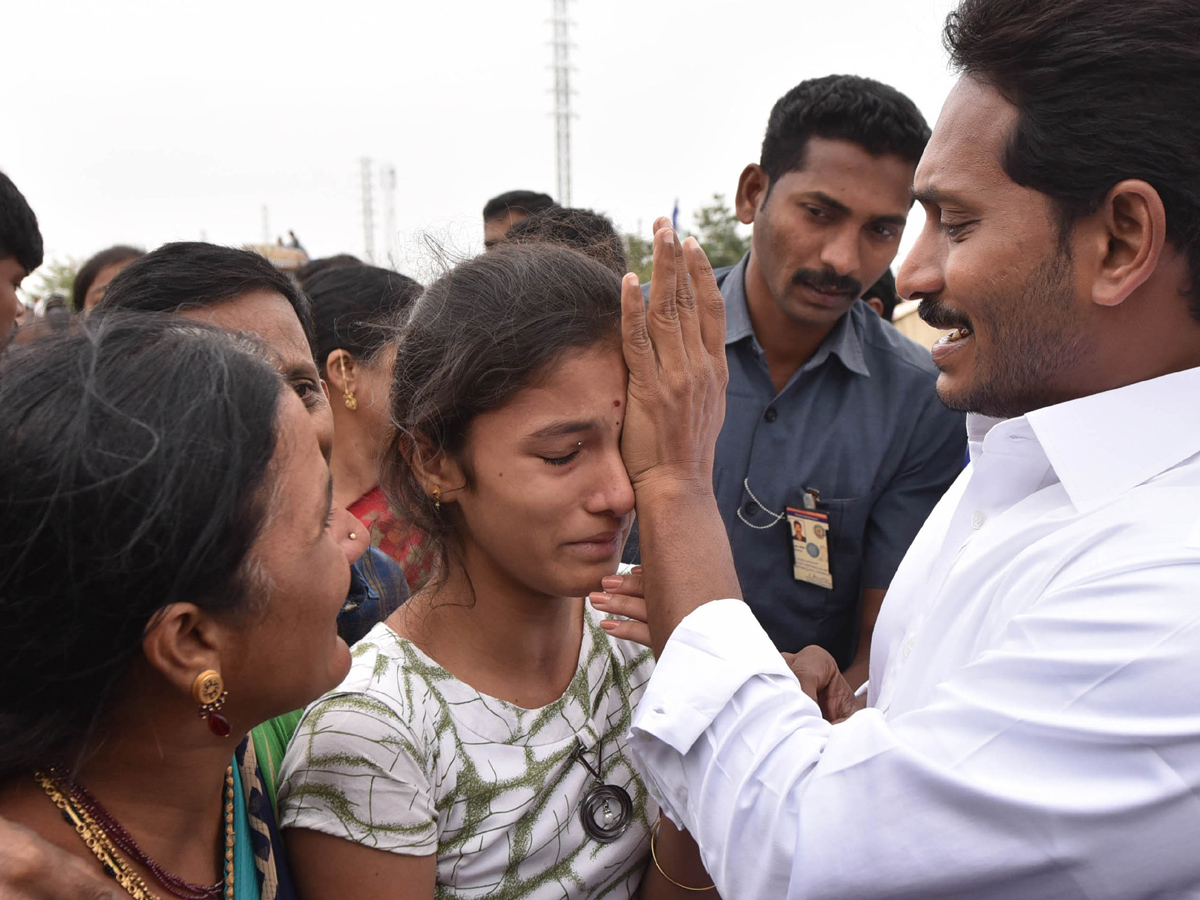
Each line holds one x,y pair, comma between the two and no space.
717,232
55,276
639,253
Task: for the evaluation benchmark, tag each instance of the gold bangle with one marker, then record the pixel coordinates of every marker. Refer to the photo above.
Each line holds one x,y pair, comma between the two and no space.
658,865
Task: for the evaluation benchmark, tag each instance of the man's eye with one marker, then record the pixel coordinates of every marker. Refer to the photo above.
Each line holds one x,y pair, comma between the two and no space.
306,391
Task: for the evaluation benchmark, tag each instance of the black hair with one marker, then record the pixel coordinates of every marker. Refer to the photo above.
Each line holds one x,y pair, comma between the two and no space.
353,306
1104,91
192,274
479,334
527,202
315,267
90,269
19,235
862,111
580,229
137,450
885,290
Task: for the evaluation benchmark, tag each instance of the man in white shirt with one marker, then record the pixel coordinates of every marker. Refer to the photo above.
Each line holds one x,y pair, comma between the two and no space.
1032,724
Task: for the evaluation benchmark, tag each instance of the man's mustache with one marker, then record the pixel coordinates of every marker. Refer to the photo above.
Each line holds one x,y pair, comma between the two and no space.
828,281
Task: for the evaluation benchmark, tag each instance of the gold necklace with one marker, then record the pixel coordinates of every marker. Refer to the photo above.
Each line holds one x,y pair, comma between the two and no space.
97,840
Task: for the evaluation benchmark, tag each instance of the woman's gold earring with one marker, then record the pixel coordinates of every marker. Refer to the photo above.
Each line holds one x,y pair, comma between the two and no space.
348,395
437,497
208,690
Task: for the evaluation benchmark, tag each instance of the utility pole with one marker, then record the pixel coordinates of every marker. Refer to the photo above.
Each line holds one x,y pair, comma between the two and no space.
389,209
368,212
562,100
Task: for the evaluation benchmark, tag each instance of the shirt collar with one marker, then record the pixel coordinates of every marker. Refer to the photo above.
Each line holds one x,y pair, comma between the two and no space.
1102,445
843,341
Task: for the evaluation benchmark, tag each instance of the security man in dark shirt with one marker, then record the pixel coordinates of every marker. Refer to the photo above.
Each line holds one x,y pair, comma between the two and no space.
832,423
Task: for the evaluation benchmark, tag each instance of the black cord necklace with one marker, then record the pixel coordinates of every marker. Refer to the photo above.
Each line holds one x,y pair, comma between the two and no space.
606,810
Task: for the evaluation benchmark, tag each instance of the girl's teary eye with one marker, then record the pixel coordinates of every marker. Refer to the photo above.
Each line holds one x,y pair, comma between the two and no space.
564,459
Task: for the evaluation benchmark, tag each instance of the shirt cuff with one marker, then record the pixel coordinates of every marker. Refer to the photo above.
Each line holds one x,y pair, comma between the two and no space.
713,652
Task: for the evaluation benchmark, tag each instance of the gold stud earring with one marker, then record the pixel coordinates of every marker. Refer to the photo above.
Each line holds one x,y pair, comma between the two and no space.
208,690
347,395
437,497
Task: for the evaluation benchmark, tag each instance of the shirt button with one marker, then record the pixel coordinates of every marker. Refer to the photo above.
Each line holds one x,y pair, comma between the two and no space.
978,518
751,508
770,415
908,646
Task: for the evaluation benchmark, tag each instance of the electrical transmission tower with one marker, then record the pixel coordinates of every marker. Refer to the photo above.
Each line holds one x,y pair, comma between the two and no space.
368,211
388,175
562,100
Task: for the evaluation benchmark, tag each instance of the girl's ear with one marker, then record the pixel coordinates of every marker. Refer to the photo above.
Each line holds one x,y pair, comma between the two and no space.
435,471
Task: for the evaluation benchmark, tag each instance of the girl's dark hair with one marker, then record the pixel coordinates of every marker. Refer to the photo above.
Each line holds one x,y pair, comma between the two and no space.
90,269
136,454
488,328
352,306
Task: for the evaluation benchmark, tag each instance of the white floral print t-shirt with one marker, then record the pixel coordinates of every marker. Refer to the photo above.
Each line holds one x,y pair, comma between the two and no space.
406,758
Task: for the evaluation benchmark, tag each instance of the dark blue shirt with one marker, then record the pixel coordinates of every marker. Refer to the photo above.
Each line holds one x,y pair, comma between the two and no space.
861,424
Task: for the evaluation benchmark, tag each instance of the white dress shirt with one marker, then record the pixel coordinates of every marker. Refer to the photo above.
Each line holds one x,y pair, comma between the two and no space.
1033,720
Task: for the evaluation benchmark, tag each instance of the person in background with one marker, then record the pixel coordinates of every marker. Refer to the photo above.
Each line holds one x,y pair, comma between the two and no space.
355,312
138,655
580,229
94,275
315,267
241,291
832,415
20,253
502,212
882,296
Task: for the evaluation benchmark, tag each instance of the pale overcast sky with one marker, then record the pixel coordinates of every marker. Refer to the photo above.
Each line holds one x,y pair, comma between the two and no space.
144,122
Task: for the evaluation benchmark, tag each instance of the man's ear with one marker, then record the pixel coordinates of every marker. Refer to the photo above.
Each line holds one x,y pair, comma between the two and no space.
340,370
1129,233
181,641
751,190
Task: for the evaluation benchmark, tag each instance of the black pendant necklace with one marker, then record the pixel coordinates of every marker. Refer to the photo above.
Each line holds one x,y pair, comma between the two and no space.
606,810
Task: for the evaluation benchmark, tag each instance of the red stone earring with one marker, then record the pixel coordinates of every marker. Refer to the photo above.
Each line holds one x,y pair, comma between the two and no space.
208,690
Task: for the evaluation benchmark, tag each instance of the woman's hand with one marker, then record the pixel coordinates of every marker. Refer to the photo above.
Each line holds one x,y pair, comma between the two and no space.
623,595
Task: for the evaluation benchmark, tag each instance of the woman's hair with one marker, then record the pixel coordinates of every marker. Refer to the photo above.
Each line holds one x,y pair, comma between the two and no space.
90,269
136,457
352,307
488,328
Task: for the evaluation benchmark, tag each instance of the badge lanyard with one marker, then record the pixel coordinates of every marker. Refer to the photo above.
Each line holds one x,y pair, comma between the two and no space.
810,536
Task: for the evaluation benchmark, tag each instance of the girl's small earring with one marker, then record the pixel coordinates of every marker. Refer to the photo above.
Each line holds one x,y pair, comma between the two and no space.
437,497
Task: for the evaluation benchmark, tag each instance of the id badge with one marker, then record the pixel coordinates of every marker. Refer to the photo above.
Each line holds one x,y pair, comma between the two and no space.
810,546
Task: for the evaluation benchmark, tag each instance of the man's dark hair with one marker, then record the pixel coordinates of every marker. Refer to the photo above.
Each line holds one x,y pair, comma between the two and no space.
354,307
19,235
90,269
136,474
315,267
191,274
1104,89
580,229
527,202
885,290
862,111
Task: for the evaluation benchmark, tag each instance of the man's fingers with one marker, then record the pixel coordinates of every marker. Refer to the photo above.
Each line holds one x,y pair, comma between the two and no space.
635,338
662,318
685,304
710,305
